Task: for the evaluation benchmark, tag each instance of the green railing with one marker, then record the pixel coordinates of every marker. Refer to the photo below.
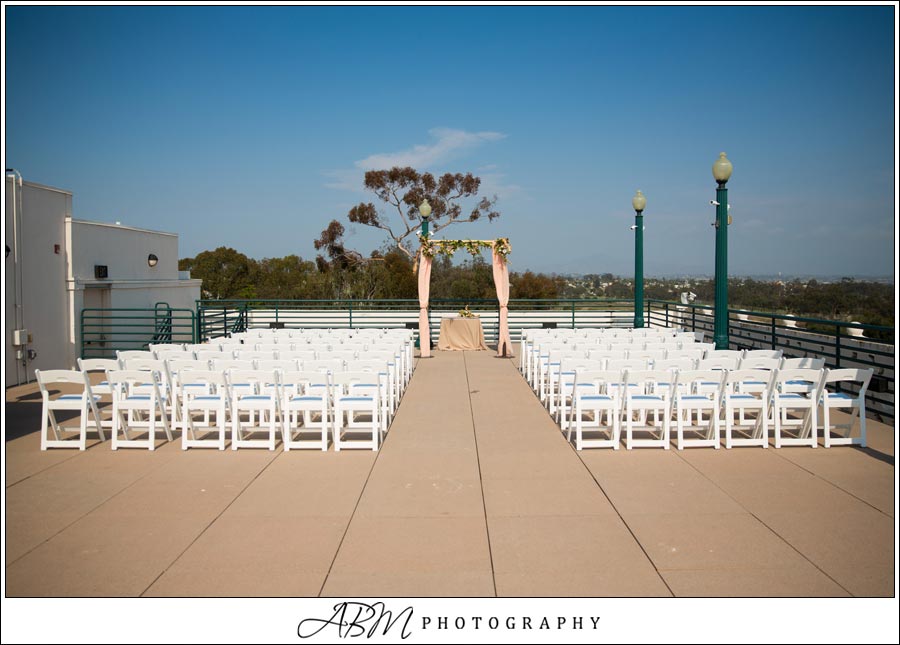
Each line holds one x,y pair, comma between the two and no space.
105,331
840,344
835,341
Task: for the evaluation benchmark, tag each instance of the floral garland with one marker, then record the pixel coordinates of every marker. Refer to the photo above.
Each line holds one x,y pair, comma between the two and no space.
431,247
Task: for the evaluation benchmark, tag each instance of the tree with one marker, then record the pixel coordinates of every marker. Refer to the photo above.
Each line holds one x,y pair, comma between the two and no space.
225,273
533,285
402,190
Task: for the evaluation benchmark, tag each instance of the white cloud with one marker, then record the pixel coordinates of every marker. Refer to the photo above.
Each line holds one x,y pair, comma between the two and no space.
447,142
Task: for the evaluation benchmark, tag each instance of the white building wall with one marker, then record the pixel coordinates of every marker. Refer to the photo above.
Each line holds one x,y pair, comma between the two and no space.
35,286
124,250
49,275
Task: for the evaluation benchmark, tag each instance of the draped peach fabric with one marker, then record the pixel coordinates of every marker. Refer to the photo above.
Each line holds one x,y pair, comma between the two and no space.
424,288
501,281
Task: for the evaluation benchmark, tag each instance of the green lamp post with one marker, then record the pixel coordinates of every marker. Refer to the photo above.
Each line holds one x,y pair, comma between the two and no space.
425,212
721,170
639,202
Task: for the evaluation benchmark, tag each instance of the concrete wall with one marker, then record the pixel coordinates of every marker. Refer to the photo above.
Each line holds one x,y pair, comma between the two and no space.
35,286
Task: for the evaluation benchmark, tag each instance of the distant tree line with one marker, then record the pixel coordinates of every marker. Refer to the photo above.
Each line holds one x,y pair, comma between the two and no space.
226,273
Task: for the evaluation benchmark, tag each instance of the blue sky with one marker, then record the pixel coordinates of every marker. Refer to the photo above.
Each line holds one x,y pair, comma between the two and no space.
251,127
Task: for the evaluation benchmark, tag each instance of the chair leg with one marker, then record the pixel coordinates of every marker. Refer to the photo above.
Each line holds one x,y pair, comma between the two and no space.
45,410
862,423
82,427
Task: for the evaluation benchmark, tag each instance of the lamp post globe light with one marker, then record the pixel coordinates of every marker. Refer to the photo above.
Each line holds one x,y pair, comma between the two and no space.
639,202
425,212
721,170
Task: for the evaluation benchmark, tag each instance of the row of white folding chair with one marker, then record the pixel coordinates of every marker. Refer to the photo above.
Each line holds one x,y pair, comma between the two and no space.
543,381
171,383
544,356
247,391
683,394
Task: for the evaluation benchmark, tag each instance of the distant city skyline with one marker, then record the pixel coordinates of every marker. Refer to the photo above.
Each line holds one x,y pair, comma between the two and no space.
251,127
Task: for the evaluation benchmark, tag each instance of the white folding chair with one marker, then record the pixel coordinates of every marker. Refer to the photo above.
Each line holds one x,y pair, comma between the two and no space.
596,392
842,400
209,393
379,369
356,392
805,400
647,391
137,392
83,402
251,401
691,401
303,394
99,383
753,432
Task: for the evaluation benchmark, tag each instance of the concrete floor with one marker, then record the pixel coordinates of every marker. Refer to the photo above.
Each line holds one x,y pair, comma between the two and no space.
474,493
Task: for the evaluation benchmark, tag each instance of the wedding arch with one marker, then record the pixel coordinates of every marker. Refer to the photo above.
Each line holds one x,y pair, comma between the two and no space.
500,249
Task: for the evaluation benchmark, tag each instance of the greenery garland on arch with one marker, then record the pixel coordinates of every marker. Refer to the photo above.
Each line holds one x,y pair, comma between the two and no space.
431,247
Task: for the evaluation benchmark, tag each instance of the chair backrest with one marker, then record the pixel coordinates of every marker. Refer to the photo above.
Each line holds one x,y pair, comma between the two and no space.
679,364
861,376
763,353
688,380
212,355
720,363
812,378
145,364
301,381
205,347
661,378
324,365
805,362
137,353
601,378
214,378
736,376
166,354
626,364
691,353
223,364
135,377
343,355
343,381
724,353
760,363
73,377
281,364
165,347
186,364
373,365
244,355
97,364
606,355
706,347
298,354
258,378
271,347
647,355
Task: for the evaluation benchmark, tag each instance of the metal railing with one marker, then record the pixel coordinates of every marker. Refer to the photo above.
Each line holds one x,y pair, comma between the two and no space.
105,331
839,343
